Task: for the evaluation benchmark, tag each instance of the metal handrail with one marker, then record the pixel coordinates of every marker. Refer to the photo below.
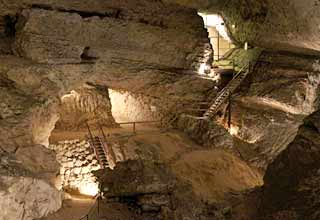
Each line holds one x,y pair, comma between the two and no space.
224,91
92,144
94,207
134,123
105,145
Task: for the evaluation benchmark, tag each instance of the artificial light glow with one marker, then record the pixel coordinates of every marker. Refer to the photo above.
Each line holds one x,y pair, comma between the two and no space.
246,45
72,94
234,130
89,189
216,21
215,76
203,69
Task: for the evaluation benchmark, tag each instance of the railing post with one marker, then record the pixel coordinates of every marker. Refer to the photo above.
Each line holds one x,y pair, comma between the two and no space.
98,204
134,127
90,133
229,115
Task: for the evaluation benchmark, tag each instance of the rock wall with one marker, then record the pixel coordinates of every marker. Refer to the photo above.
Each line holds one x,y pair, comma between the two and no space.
87,104
77,161
271,104
292,180
27,198
286,25
177,44
131,107
28,184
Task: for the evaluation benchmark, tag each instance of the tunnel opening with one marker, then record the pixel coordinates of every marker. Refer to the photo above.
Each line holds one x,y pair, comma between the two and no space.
218,35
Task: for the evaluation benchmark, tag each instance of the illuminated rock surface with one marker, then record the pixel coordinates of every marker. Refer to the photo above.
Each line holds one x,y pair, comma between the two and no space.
148,53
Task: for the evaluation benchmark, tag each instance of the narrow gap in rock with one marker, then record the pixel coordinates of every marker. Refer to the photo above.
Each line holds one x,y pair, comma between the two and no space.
311,126
83,14
88,56
10,23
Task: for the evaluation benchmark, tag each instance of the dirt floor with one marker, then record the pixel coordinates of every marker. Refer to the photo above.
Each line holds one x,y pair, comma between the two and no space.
213,173
72,209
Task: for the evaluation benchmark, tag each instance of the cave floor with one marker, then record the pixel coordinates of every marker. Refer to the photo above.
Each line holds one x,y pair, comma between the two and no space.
72,209
212,172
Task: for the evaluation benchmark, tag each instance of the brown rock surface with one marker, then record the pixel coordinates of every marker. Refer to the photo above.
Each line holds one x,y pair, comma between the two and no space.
292,180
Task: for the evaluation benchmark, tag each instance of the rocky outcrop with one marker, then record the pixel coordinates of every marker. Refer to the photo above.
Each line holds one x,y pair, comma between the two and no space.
118,31
88,104
292,180
130,107
206,133
27,198
27,187
290,23
166,176
152,190
270,105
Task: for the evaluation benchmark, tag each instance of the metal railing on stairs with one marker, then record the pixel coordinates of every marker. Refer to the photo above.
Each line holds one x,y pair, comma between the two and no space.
103,152
225,93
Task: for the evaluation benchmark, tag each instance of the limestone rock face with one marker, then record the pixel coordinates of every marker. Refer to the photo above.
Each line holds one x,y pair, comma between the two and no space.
127,186
115,40
26,198
208,134
86,104
286,25
128,106
77,162
270,105
292,180
154,188
38,159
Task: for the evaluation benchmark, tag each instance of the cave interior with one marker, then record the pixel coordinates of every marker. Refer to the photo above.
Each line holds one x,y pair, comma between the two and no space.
158,109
